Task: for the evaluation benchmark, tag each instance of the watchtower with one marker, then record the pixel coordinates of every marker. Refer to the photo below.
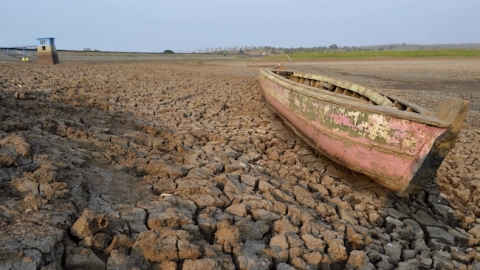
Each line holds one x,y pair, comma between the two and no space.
46,51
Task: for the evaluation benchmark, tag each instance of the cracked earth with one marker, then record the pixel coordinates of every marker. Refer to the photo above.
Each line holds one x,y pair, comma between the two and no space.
183,166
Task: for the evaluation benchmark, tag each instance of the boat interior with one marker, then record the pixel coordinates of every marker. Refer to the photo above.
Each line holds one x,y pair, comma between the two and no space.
363,95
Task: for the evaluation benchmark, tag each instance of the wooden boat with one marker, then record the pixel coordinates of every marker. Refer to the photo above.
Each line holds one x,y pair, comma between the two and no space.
398,144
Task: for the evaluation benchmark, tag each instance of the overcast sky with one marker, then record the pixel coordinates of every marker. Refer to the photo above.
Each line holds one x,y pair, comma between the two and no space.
192,25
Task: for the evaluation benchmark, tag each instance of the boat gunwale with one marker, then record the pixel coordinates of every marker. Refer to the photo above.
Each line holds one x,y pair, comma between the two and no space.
351,103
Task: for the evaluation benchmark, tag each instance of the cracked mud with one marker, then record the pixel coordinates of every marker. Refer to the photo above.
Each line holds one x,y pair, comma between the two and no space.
183,166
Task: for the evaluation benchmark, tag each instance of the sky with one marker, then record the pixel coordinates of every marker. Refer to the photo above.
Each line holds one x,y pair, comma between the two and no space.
195,25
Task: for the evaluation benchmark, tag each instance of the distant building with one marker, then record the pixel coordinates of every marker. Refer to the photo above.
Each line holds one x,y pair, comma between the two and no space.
46,51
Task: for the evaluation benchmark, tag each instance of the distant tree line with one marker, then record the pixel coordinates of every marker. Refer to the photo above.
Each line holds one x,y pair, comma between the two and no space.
269,50
258,50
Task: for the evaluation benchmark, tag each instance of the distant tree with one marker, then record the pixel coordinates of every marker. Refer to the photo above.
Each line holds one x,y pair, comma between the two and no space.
168,51
241,52
333,46
87,50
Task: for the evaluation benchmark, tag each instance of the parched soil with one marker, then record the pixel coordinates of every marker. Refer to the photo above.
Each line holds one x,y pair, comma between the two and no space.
183,166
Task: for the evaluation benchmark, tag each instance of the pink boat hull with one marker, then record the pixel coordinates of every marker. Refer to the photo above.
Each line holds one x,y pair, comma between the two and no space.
390,150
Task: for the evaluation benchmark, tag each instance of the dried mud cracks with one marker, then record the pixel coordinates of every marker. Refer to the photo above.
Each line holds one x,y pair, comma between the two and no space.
182,166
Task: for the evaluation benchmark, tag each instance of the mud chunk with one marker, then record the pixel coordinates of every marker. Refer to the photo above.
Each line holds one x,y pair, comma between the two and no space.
7,156
88,224
237,166
33,202
227,236
162,169
209,218
233,188
417,229
252,256
166,245
437,244
354,240
320,188
304,197
83,258
392,223
475,231
419,246
410,264
119,260
278,248
408,254
442,260
135,218
283,225
446,213
19,143
394,213
54,190
168,217
121,243
337,253
249,180
375,218
224,261
284,266
327,211
359,260
424,259
459,255
188,250
265,215
313,259
97,243
14,150
250,229
442,235
237,209
265,186
426,219
168,265
203,192
313,243
171,212
463,194
205,263
393,250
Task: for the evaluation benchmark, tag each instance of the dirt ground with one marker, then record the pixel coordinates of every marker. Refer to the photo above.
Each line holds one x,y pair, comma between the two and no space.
181,165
